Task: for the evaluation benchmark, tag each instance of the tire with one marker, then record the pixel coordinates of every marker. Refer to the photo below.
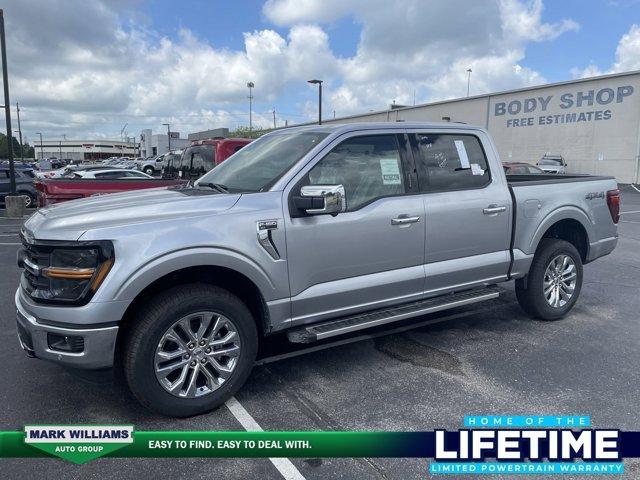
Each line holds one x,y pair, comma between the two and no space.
530,291
149,332
149,170
29,199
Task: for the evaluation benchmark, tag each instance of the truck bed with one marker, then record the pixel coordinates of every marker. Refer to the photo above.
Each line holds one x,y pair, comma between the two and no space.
537,179
540,201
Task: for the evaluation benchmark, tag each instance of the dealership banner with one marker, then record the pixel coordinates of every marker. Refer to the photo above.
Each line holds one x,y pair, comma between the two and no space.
485,445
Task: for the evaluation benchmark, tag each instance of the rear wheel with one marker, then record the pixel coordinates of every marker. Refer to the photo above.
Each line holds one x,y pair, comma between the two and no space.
192,348
554,282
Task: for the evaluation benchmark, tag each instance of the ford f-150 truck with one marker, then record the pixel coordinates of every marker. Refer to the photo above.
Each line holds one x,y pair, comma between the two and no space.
314,231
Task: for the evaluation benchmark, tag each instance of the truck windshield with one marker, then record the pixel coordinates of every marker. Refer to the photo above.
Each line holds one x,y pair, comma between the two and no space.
262,162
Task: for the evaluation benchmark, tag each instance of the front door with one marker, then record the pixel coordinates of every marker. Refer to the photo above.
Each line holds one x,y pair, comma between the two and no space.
370,256
468,210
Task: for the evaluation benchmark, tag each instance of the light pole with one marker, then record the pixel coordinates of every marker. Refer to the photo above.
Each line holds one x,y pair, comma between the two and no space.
250,85
19,130
168,135
7,109
319,83
41,150
468,80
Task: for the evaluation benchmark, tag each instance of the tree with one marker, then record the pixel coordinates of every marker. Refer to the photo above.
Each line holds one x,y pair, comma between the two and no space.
244,132
27,150
4,152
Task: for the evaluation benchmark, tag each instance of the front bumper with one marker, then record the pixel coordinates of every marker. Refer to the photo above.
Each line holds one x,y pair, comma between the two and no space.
98,343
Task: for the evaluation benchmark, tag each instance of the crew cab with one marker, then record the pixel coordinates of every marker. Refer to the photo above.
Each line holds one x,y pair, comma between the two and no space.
314,231
201,156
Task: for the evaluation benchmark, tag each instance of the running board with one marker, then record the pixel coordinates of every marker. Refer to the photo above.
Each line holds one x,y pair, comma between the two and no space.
320,331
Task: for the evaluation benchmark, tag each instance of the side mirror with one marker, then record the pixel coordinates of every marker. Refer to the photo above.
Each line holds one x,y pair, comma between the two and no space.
321,199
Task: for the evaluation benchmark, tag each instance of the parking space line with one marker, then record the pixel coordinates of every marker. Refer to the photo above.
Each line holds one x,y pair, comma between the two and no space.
287,469
632,211
10,244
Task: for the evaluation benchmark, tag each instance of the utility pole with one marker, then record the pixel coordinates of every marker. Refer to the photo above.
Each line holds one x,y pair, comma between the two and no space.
41,149
7,107
319,83
250,85
19,130
60,148
168,135
468,80
274,117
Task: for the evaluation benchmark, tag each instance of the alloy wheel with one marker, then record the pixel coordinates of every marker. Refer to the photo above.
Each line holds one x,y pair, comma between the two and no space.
559,282
197,354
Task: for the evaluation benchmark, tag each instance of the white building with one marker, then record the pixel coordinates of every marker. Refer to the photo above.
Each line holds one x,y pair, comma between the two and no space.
84,149
594,123
156,144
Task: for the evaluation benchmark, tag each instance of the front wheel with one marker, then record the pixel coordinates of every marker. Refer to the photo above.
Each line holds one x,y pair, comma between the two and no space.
191,349
149,170
553,284
29,199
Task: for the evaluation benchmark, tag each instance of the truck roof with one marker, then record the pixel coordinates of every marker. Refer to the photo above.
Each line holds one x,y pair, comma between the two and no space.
349,127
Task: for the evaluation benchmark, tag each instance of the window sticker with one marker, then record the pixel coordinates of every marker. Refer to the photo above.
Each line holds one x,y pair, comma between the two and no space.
390,171
476,169
462,154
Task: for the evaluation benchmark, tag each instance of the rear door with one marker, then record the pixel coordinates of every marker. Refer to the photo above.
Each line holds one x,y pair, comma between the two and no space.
468,212
370,256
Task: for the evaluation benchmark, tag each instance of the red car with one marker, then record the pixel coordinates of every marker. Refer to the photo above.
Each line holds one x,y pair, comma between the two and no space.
56,190
521,168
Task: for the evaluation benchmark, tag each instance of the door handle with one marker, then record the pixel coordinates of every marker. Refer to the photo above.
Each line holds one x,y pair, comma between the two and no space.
404,219
494,209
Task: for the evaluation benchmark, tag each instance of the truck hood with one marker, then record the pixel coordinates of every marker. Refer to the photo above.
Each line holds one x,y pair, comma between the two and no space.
70,220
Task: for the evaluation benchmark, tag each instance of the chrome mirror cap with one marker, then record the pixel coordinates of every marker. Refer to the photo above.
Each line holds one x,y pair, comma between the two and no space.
335,200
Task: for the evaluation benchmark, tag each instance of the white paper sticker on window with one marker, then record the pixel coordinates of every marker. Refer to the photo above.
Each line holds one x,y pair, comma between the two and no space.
462,154
476,169
390,171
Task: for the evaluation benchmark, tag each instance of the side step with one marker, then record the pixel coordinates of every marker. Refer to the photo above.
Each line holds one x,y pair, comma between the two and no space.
320,331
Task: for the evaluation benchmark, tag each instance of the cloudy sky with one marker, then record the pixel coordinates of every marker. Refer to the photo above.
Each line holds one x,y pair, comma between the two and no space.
85,68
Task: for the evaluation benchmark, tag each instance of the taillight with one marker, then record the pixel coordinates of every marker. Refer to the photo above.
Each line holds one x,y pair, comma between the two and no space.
613,202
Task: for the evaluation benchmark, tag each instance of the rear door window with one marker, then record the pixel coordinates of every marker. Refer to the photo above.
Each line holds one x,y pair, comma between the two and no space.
449,162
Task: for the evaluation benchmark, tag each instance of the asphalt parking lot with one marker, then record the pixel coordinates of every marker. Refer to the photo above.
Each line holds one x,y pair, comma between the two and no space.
489,359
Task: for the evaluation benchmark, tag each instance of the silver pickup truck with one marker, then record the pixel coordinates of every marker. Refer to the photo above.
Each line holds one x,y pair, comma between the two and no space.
317,231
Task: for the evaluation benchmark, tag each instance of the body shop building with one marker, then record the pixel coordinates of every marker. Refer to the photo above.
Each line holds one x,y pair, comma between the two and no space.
594,123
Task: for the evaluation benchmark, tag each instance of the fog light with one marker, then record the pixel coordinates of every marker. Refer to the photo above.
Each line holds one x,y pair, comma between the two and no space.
65,343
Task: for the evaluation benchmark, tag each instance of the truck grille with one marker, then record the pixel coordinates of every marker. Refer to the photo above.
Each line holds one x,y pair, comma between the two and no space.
34,259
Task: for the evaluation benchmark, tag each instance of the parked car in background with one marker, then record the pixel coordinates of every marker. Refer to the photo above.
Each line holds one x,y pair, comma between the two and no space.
201,156
315,231
553,164
49,164
150,165
110,173
24,185
57,190
521,168
68,170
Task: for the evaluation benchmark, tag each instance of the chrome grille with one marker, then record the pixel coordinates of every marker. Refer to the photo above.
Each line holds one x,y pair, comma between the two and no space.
34,260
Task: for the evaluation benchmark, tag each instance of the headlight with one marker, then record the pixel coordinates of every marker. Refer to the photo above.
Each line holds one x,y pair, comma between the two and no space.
65,272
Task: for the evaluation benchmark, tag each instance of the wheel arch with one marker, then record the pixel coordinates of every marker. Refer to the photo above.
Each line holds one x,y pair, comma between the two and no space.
571,225
231,280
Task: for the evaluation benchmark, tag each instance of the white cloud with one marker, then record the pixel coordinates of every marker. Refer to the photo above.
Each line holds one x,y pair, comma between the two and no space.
90,70
627,56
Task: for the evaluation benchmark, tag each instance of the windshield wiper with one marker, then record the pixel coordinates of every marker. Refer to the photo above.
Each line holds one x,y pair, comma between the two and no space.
215,186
